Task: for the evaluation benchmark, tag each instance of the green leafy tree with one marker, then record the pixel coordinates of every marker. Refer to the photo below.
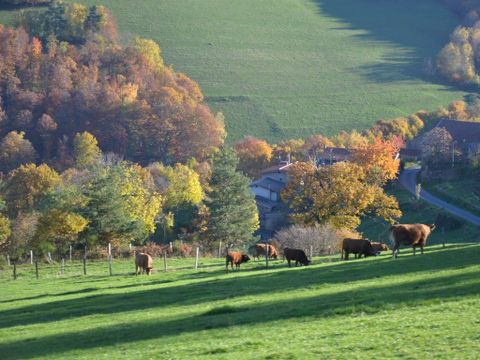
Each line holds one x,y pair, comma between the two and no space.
233,214
122,206
86,150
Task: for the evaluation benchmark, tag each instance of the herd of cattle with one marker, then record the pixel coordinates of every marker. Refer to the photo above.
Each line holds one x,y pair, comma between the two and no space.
414,235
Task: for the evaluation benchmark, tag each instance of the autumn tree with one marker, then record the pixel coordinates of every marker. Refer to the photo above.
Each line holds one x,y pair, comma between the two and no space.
27,185
314,146
5,229
233,215
289,150
15,150
57,230
254,155
437,146
182,192
86,150
339,195
378,159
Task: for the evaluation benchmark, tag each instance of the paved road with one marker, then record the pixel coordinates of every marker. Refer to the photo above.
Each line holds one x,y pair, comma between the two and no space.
408,178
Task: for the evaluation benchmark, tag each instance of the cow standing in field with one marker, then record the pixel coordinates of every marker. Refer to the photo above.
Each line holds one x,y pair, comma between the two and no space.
415,235
295,254
258,250
358,247
143,263
237,258
378,247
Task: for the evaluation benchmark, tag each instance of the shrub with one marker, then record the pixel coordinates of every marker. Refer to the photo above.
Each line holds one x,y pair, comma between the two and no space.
325,239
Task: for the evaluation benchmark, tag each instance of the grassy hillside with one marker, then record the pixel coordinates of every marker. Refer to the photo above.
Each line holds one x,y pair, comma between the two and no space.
414,307
289,68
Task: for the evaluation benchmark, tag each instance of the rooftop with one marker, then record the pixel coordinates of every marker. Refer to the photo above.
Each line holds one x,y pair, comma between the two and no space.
270,184
461,131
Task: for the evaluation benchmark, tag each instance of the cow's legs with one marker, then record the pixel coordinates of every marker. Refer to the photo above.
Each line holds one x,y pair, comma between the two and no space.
421,250
296,263
346,255
395,251
414,250
289,265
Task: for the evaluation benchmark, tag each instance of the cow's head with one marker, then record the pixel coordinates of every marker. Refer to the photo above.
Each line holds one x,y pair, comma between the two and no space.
245,258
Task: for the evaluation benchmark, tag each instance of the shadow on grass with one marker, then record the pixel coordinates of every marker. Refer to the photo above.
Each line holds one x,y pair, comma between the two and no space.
231,286
419,29
361,301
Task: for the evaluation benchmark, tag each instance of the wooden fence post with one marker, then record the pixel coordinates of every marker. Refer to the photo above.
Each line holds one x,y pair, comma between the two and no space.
70,253
196,257
110,258
220,249
31,257
443,236
311,252
8,260
14,271
85,261
62,271
165,261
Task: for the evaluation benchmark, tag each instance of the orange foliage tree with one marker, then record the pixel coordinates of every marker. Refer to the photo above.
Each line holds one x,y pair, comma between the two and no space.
379,159
254,155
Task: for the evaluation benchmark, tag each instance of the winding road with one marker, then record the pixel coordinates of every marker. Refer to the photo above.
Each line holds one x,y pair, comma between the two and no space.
408,178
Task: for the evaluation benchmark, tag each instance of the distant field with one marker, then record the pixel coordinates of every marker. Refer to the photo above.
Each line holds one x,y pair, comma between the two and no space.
290,68
422,307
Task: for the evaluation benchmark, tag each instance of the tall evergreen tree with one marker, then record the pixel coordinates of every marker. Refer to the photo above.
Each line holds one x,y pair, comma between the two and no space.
233,212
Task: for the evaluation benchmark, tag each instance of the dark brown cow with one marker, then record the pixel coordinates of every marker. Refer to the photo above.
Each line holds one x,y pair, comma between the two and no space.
258,250
415,235
378,247
297,255
237,258
143,263
358,247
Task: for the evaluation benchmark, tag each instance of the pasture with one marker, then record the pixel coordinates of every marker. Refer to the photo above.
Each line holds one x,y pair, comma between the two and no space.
290,68
413,307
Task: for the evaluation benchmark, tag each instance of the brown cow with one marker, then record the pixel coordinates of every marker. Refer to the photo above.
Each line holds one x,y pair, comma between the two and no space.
258,250
143,263
358,247
237,258
297,255
378,247
415,235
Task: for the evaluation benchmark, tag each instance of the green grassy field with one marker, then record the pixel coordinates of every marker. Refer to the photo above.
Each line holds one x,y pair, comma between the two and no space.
290,68
413,307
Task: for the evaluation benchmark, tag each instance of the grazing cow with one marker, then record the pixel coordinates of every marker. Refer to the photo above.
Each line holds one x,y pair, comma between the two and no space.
143,263
297,255
237,258
415,235
258,250
378,247
358,247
